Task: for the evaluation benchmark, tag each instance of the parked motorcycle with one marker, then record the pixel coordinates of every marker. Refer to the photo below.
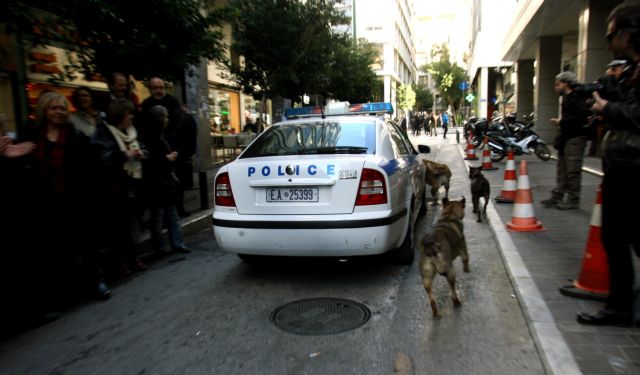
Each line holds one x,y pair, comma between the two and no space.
520,138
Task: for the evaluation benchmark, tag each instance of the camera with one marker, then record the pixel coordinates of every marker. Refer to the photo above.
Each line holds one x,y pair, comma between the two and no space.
604,86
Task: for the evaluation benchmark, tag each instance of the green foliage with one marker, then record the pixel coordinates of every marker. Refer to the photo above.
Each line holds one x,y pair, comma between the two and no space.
447,75
287,46
141,37
350,76
405,97
300,53
424,98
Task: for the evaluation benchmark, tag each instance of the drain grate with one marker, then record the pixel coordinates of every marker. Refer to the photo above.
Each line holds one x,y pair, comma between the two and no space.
320,316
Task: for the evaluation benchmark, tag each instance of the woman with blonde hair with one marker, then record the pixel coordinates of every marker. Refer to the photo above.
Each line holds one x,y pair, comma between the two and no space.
61,169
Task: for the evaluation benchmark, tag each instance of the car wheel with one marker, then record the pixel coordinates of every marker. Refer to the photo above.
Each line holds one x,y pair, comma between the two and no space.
405,253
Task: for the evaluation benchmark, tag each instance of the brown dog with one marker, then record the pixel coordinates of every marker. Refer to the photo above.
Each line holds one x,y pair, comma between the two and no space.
437,175
440,247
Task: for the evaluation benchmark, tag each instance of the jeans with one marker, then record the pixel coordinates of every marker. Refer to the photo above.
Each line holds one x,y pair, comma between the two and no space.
168,216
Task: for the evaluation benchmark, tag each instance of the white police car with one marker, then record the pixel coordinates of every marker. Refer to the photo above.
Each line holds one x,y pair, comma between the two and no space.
343,182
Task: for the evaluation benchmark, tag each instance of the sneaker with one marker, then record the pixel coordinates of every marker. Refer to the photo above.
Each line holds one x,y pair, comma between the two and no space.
567,205
550,202
104,293
605,317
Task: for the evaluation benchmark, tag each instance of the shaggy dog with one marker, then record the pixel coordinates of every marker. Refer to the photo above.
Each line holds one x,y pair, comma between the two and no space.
437,175
440,247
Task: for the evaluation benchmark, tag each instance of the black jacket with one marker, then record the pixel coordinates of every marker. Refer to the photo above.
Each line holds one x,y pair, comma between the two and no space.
575,116
111,178
621,144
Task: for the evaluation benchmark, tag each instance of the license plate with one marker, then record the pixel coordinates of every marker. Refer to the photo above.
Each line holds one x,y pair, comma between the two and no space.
292,195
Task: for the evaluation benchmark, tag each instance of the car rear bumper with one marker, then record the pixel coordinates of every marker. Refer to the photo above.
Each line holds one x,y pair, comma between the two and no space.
280,235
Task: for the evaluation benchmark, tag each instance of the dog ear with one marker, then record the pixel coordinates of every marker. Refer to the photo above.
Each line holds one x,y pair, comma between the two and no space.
462,200
445,200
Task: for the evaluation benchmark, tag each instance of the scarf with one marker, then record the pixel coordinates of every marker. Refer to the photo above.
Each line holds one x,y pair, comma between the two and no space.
51,159
127,141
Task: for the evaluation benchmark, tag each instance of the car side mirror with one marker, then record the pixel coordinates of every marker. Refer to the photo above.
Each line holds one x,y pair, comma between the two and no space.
424,149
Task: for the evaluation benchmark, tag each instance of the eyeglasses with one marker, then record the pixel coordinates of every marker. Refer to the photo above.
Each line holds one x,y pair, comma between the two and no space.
611,35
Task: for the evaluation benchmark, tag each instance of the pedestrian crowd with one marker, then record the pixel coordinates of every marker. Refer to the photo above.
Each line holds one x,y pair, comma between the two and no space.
427,122
608,110
77,187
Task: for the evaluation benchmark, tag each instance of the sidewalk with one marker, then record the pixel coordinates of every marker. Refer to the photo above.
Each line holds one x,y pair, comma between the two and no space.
552,257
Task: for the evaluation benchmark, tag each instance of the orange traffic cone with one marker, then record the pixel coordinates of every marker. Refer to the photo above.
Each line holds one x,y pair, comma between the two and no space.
593,282
508,193
523,218
486,157
471,151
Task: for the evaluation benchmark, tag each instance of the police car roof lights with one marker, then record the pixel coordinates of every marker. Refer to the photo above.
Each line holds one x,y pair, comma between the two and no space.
340,108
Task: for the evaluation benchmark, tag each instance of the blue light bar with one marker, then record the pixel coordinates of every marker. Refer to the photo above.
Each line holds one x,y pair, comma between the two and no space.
302,112
354,109
371,108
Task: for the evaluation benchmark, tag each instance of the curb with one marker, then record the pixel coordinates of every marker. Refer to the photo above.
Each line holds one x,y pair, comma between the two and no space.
553,350
195,223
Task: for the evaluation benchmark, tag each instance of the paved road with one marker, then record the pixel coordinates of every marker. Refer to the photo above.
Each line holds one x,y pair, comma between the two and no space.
208,312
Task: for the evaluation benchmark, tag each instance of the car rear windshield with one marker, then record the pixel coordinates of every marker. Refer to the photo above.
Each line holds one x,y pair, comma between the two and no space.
317,137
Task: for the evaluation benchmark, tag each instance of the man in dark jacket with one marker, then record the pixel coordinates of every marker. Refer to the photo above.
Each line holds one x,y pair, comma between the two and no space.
621,161
570,143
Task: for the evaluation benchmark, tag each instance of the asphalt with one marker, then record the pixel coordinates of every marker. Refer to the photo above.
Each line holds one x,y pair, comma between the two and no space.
538,264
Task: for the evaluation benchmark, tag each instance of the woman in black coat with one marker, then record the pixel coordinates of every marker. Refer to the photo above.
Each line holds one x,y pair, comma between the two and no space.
164,185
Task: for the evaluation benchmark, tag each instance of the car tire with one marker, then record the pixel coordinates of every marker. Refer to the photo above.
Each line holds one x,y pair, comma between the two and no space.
405,253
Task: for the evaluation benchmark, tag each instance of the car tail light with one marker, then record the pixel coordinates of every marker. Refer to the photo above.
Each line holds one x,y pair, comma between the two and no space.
223,193
372,189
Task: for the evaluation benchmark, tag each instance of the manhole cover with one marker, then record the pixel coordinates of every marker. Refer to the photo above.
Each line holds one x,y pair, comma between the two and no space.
320,316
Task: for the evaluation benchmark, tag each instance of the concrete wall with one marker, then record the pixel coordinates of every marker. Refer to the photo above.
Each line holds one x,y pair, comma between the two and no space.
593,54
524,87
546,102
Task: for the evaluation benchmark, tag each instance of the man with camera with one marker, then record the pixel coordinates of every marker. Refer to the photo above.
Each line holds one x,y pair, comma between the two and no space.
621,162
570,143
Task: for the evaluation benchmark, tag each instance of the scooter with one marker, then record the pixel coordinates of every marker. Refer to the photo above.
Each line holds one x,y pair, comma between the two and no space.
522,140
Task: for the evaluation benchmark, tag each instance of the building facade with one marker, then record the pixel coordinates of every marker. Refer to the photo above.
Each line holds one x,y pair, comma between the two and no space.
546,37
437,24
388,25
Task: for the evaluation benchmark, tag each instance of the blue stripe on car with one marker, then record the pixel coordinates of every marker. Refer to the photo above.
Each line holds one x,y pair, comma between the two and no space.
395,165
391,167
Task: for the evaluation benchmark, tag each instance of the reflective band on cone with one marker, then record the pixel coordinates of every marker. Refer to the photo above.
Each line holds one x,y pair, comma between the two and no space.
593,282
486,157
471,151
523,218
508,193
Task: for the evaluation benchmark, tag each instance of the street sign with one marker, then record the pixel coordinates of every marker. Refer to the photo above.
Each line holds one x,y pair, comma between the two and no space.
470,97
463,85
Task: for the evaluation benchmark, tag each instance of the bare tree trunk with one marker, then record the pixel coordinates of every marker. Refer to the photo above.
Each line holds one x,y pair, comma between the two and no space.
263,108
